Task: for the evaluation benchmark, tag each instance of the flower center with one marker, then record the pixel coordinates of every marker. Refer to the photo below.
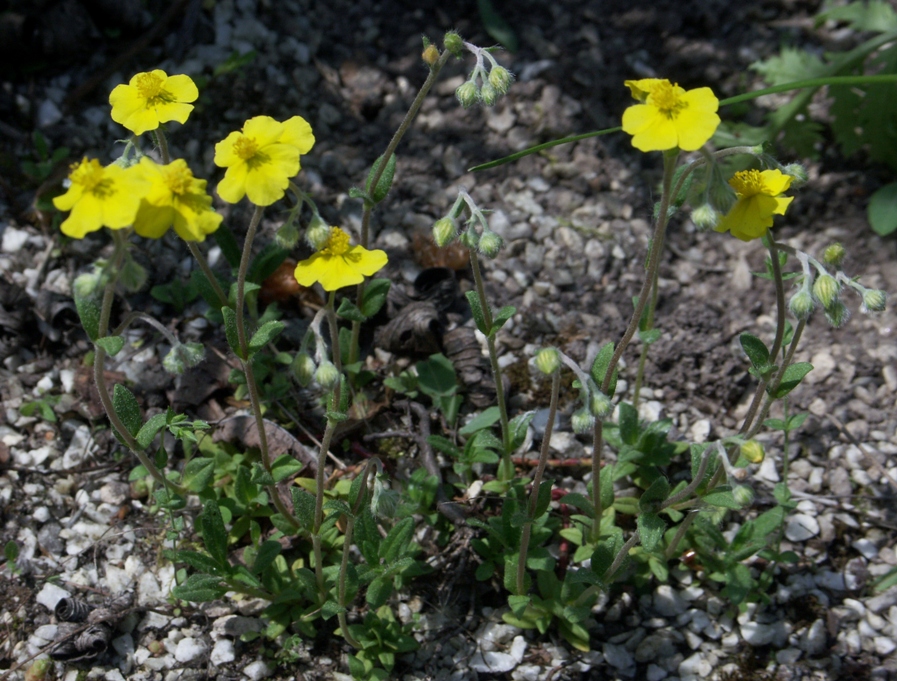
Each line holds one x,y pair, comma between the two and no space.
149,86
246,147
90,175
337,243
667,98
747,183
179,180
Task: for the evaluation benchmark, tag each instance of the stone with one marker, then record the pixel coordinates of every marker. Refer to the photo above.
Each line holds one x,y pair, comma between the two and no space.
617,656
50,595
189,650
491,662
757,634
696,666
800,527
223,652
256,671
813,640
668,602
518,648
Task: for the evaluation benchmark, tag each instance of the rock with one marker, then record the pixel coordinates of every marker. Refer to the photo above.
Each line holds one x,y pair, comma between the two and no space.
823,366
884,645
189,650
668,602
617,656
654,646
655,673
518,648
801,527
50,595
813,640
491,662
696,666
256,671
757,634
223,652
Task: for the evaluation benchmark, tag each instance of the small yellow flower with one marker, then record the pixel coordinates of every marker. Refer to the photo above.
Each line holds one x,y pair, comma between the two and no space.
669,116
337,264
152,98
100,196
759,198
261,159
174,198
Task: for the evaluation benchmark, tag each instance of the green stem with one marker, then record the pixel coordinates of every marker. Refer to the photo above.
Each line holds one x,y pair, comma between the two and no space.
537,481
643,356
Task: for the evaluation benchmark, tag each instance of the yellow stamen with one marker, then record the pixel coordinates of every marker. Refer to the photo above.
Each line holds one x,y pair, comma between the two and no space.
747,183
245,147
667,98
337,243
149,85
179,180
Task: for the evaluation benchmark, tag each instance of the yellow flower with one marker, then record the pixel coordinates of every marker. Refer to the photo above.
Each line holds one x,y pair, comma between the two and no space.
759,198
337,264
669,116
100,197
152,98
261,159
174,198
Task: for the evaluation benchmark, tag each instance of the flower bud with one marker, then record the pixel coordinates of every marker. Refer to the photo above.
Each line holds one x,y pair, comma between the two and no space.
88,284
183,356
469,238
327,375
705,217
744,495
720,194
826,289
444,231
500,78
318,233
488,94
547,361
430,54
303,368
467,94
600,405
490,243
753,451
802,303
833,255
798,174
453,43
582,421
288,235
837,315
384,499
874,300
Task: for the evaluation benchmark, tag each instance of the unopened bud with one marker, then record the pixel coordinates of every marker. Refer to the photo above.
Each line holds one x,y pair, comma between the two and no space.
327,375
453,43
600,405
444,231
183,356
467,94
303,368
798,174
490,243
288,235
318,233
488,94
743,495
430,54
469,238
582,421
826,289
874,300
705,217
547,361
500,78
833,255
837,315
753,451
802,304
88,284
384,499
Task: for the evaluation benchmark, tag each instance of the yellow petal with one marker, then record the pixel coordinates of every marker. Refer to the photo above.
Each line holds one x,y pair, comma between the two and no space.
640,89
364,261
297,133
182,88
775,182
264,129
174,111
233,187
651,130
702,99
153,221
782,203
265,183
84,218
695,127
69,199
141,120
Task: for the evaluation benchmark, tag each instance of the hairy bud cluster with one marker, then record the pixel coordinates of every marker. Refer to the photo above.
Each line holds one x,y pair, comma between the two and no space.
547,360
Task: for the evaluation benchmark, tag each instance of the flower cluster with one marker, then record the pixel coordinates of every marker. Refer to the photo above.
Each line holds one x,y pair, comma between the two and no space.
495,81
152,98
667,116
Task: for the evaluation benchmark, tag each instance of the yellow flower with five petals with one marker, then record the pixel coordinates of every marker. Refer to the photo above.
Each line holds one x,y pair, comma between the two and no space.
174,199
152,98
338,264
759,197
99,196
261,158
669,116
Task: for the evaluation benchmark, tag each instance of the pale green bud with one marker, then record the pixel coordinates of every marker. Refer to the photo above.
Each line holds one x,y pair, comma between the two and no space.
582,421
303,368
490,243
705,217
86,285
469,238
453,43
183,356
488,94
874,300
384,499
837,315
744,495
318,233
826,289
547,360
444,231
753,451
327,375
467,94
720,194
500,78
833,255
600,404
798,174
802,304
288,234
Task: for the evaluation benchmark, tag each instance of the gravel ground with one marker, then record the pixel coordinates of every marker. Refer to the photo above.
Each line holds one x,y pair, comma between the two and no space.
576,223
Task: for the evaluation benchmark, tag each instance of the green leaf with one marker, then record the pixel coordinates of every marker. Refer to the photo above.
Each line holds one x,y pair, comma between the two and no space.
501,317
721,497
485,419
606,551
378,193
650,529
882,210
378,591
628,423
349,311
436,376
200,588
375,294
795,421
89,313
792,377
126,408
600,366
496,26
150,429
739,583
201,283
755,349
214,533
650,336
303,508
544,499
11,551
266,263
226,241
357,193
230,330
260,476
517,428
396,541
245,491
518,604
266,333
111,344
654,496
198,473
875,15
198,561
284,466
268,551
476,310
